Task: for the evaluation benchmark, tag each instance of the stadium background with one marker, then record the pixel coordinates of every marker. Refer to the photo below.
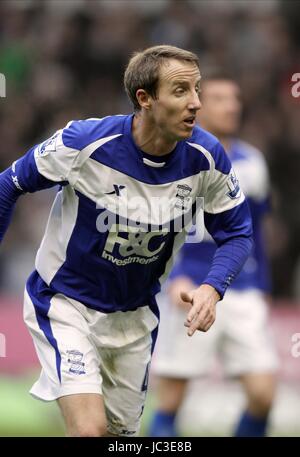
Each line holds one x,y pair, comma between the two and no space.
64,60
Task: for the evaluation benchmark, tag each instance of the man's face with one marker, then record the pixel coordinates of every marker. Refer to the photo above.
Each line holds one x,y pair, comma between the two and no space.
221,107
174,110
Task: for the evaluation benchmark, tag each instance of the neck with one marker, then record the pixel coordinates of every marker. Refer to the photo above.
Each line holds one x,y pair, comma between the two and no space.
148,136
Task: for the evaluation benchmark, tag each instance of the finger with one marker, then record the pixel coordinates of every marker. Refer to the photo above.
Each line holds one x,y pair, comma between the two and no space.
189,323
201,325
207,325
207,322
194,312
192,325
204,315
195,327
191,331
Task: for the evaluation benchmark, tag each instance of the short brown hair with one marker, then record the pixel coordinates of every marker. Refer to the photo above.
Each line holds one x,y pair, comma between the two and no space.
142,71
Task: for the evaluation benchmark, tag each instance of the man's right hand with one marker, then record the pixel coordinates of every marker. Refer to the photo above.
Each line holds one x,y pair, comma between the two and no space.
180,284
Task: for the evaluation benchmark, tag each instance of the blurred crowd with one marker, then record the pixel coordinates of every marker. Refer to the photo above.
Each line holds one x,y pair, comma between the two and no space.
64,59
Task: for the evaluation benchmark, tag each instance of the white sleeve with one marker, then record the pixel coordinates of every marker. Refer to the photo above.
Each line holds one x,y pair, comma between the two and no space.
223,189
56,156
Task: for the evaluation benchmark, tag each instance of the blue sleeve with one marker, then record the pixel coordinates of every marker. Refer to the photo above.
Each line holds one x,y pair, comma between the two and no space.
9,194
20,178
232,231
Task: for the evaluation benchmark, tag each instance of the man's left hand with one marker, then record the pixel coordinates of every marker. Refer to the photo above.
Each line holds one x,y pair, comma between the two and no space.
203,312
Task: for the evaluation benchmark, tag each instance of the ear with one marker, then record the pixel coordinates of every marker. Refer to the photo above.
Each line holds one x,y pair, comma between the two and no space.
143,98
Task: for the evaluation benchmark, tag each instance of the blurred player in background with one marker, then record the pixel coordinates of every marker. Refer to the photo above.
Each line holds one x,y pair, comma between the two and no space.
90,304
240,337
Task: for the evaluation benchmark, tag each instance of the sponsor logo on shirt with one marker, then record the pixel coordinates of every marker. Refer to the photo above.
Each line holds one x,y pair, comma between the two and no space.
133,245
233,186
47,146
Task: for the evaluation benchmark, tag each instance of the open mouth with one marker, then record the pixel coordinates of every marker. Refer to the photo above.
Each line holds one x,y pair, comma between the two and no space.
190,121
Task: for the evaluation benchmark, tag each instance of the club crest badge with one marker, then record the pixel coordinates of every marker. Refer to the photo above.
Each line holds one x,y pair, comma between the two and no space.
75,360
183,196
